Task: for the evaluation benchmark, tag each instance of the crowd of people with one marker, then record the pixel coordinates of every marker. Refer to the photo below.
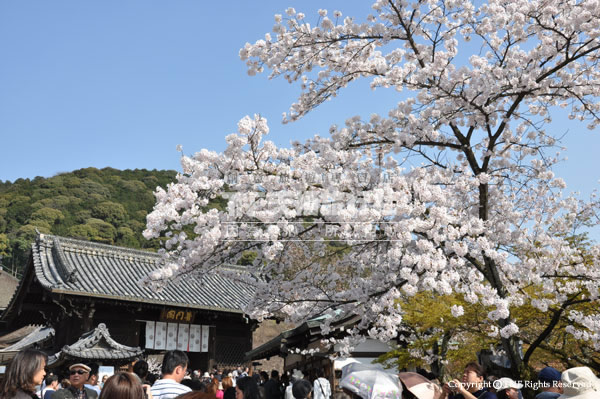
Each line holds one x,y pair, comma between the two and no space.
27,372
574,383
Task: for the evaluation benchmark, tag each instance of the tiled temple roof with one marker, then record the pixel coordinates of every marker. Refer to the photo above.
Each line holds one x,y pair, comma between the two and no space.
39,334
75,267
98,345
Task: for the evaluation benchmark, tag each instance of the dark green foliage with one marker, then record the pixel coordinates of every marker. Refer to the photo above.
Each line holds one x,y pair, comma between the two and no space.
110,211
104,205
247,258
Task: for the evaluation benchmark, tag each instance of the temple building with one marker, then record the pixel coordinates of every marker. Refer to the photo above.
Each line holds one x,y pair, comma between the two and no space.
302,348
78,287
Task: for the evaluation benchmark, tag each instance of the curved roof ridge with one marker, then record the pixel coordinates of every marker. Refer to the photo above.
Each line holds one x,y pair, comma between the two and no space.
67,244
68,271
87,346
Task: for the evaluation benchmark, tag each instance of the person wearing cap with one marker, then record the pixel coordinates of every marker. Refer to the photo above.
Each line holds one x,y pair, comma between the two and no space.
78,376
507,388
549,379
206,378
470,386
580,383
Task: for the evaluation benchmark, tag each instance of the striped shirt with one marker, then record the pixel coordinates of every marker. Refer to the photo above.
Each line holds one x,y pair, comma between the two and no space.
167,389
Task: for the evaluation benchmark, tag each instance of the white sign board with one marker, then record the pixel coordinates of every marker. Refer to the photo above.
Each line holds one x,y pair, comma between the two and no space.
150,326
170,336
160,337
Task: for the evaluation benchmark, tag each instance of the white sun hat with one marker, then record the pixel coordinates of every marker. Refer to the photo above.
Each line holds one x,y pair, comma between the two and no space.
580,383
506,383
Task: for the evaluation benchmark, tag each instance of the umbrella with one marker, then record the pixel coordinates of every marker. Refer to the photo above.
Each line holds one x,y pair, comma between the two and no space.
420,386
370,381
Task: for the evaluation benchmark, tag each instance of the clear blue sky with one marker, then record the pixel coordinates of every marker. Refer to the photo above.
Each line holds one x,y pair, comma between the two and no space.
121,83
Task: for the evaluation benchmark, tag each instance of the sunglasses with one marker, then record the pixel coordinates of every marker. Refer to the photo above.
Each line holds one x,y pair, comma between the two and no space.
80,372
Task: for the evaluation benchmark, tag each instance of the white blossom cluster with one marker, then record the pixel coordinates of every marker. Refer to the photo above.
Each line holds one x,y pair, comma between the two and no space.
481,214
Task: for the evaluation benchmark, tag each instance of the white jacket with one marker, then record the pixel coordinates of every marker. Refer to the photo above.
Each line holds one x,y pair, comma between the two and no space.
321,389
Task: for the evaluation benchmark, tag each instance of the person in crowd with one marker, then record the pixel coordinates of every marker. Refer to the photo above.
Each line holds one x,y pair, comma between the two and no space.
272,390
210,391
25,371
78,376
206,378
231,375
261,381
51,386
228,388
124,385
140,368
246,388
264,377
194,384
192,395
580,383
506,388
204,394
65,383
220,390
470,386
152,378
284,381
92,382
296,376
174,368
302,389
104,378
321,386
550,386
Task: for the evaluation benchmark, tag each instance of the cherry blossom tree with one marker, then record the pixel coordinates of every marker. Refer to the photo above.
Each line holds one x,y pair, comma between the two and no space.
450,191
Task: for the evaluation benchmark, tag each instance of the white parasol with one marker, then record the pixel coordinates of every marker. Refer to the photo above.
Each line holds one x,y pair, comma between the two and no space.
370,381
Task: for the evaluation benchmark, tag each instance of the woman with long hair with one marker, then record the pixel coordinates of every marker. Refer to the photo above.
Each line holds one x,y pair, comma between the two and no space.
25,371
228,388
212,388
123,385
246,388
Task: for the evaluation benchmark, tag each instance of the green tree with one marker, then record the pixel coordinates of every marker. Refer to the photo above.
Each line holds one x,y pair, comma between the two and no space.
110,211
50,215
94,230
127,238
78,204
4,245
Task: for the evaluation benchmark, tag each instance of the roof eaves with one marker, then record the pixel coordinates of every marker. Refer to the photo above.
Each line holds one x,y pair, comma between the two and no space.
145,300
270,347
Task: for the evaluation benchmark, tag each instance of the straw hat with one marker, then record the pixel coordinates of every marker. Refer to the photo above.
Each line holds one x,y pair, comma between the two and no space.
81,366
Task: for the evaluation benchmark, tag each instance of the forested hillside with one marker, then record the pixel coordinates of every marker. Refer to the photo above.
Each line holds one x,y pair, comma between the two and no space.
104,205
